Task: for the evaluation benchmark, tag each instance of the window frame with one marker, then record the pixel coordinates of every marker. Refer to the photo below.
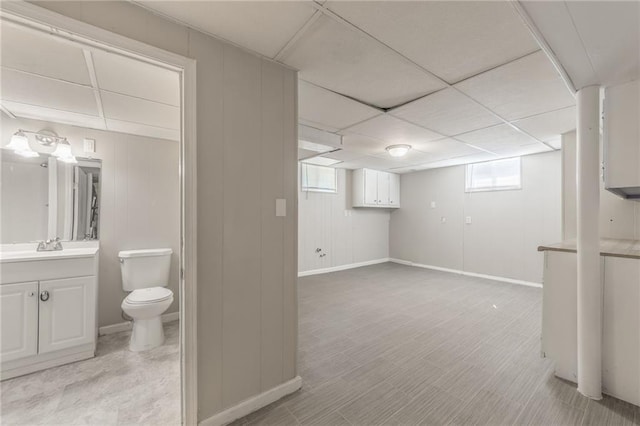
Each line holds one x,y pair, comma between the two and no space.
314,189
469,172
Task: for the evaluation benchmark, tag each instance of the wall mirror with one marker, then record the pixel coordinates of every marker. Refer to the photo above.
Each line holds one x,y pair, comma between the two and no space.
43,197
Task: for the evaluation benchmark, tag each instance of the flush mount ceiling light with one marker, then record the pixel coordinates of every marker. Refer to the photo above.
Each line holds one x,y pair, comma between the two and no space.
398,150
20,145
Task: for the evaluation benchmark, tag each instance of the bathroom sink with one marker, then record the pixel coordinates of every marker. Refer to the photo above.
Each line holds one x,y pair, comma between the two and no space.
33,255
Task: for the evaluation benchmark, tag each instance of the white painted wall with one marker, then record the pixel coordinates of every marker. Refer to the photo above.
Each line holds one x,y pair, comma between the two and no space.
618,218
346,235
139,205
506,229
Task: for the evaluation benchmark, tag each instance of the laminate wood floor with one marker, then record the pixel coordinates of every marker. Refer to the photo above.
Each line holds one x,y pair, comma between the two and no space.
398,345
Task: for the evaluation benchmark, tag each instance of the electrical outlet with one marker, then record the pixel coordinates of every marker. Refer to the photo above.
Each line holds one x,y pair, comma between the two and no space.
468,220
433,204
443,219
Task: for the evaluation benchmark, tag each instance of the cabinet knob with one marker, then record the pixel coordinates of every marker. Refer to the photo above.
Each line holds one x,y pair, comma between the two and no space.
31,293
44,296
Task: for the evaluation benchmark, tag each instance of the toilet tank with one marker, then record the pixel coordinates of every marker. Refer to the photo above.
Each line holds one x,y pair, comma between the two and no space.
145,268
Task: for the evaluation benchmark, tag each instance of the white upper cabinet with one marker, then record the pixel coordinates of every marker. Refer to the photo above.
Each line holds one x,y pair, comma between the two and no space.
622,140
373,188
394,190
370,190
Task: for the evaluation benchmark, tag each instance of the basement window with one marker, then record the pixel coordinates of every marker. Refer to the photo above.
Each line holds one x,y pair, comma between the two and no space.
314,178
498,175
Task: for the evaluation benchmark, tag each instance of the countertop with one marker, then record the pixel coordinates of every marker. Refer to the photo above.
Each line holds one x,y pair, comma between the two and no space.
31,255
608,247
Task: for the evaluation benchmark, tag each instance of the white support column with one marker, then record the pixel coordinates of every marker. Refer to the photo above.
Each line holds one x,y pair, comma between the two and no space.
589,274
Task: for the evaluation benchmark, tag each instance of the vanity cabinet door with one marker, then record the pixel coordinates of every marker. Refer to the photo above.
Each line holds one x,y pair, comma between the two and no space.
18,320
67,313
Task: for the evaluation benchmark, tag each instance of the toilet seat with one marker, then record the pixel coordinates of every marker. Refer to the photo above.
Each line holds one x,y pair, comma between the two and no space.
149,295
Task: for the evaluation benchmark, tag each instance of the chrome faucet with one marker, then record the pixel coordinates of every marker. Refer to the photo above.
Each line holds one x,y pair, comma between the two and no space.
50,245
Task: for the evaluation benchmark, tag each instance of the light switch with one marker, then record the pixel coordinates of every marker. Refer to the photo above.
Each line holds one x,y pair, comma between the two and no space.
281,207
433,204
467,220
89,145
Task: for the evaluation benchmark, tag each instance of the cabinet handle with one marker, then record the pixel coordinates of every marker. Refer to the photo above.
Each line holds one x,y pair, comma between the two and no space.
44,296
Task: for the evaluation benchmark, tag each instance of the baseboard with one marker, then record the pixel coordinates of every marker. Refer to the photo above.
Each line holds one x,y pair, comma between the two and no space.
342,267
253,404
469,274
125,326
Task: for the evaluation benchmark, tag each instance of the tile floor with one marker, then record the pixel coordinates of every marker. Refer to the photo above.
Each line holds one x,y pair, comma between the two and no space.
398,345
117,387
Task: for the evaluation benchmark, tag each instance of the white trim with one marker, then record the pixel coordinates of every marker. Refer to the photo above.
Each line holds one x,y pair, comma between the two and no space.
41,19
343,267
126,325
252,404
466,273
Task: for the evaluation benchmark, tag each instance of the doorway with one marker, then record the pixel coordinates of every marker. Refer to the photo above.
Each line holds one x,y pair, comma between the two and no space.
40,22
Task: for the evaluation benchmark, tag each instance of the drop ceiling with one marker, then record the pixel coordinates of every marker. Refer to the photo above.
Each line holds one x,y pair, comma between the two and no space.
459,81
48,78
596,42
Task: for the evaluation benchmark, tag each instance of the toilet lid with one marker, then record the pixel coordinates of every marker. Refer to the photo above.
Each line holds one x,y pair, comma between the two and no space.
149,295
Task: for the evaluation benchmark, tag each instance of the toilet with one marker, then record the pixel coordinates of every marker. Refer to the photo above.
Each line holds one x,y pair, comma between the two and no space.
145,274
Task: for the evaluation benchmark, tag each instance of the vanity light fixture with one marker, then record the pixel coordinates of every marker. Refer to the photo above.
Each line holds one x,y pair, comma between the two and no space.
398,150
20,145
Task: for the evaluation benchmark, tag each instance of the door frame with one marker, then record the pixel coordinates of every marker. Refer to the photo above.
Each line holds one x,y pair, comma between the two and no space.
92,37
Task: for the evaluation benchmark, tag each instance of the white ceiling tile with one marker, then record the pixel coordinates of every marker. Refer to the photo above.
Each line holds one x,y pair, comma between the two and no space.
447,112
54,115
549,126
135,110
262,26
522,88
411,157
448,148
517,151
342,59
143,130
46,92
42,54
553,20
467,159
117,73
395,131
364,144
610,31
319,107
371,162
344,155
497,138
454,40
320,126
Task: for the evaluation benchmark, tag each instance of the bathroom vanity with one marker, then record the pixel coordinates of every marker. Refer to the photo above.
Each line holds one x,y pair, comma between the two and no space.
48,307
620,266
